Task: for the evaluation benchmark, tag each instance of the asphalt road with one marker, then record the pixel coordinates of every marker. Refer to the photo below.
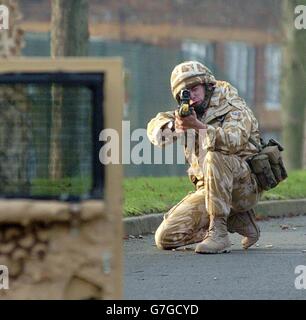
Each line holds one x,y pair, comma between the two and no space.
266,271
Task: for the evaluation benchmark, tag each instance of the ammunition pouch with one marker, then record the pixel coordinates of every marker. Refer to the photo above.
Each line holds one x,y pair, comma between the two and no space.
268,165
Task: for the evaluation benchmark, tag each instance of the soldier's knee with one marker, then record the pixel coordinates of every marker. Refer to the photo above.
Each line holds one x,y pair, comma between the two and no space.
163,238
160,244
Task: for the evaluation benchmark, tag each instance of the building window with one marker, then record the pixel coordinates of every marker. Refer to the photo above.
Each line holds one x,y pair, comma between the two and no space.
240,68
199,51
272,76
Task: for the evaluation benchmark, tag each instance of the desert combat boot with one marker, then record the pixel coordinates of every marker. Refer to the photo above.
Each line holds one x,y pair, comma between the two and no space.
216,239
244,223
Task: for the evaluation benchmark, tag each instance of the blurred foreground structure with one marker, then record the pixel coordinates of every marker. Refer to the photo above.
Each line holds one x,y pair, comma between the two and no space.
60,234
60,221
60,237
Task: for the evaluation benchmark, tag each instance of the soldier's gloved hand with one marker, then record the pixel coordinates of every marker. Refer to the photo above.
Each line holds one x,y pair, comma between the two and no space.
190,122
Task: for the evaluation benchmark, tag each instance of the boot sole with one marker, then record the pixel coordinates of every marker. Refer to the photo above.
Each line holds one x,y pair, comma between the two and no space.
246,247
226,250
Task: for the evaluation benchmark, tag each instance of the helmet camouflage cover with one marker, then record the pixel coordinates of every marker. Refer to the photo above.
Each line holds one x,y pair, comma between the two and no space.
189,74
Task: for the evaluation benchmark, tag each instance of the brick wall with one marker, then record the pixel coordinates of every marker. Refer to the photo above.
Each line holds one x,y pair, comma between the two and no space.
168,22
259,14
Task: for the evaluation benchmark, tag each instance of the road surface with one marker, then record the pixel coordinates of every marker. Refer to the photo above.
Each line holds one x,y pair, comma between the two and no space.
266,271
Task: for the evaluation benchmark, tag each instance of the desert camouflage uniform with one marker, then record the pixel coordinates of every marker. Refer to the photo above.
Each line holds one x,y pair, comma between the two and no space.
224,182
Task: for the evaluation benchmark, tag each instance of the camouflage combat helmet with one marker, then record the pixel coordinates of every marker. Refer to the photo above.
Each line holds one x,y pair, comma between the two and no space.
189,74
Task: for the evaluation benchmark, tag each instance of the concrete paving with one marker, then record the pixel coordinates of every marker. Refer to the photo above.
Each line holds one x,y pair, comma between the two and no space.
266,271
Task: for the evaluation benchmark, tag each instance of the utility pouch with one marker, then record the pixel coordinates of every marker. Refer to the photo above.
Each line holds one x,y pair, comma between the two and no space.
260,166
268,165
276,162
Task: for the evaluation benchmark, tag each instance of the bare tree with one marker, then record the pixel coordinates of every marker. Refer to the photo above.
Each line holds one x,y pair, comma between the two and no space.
69,37
293,85
69,34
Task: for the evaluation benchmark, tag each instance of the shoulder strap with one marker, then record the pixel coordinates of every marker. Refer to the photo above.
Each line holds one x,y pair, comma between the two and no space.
259,146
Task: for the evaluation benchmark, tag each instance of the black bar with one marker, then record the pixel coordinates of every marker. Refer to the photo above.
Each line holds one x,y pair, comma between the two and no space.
98,124
46,78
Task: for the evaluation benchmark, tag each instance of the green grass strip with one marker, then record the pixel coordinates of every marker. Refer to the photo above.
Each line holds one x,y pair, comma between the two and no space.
158,194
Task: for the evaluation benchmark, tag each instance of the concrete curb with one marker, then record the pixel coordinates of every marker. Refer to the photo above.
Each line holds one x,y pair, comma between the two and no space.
281,208
277,208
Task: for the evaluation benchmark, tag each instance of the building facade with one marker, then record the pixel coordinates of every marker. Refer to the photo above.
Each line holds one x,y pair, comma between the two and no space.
240,40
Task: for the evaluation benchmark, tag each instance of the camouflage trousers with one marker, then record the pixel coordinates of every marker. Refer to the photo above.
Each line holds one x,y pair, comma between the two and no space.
229,187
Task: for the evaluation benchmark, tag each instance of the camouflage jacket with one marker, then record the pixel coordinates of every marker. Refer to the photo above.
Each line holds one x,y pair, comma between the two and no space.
230,124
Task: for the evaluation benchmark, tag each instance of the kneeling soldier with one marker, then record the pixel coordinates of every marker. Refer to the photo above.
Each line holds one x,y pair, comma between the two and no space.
226,189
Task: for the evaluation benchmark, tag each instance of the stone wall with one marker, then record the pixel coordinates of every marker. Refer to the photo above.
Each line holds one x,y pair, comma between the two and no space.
56,250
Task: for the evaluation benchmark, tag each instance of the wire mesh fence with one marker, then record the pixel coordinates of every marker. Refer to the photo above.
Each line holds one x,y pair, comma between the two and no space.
45,140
